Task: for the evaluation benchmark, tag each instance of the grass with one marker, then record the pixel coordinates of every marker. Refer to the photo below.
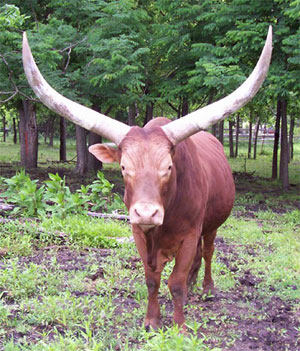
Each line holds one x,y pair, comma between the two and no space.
276,243
262,166
46,154
86,231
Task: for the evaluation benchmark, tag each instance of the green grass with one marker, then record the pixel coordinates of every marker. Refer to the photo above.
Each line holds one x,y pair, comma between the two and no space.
262,166
275,241
46,154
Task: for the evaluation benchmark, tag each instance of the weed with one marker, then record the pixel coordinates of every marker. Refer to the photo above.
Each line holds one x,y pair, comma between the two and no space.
64,201
55,197
24,193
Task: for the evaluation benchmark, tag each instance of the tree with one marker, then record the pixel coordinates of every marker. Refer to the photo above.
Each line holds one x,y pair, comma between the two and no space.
276,141
141,57
28,134
284,150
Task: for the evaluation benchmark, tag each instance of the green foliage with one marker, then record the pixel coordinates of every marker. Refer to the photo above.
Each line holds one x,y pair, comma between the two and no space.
55,197
10,17
25,194
64,201
102,196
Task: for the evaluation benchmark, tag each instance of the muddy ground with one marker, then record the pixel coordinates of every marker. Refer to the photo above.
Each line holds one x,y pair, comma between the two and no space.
256,324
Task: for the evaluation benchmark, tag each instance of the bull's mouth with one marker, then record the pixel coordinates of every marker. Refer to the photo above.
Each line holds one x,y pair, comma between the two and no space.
146,227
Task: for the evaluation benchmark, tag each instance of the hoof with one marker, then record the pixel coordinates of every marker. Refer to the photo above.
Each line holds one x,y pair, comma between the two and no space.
151,324
183,330
209,289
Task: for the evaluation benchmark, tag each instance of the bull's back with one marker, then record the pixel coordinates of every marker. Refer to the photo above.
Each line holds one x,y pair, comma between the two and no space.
219,180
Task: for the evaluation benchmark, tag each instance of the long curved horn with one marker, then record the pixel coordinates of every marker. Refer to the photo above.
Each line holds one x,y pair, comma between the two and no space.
203,118
76,113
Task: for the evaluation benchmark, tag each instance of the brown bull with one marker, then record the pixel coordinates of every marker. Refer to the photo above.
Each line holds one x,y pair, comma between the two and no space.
178,183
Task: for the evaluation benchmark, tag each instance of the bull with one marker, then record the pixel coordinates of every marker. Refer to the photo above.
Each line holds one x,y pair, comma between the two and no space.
179,187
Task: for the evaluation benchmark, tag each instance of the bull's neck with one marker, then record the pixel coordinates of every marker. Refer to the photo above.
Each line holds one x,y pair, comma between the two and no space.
184,201
152,243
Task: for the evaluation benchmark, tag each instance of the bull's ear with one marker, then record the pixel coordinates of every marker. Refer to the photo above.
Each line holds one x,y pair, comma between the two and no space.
105,153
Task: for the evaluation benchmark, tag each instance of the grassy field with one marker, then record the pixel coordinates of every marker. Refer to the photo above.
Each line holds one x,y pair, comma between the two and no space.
64,288
60,291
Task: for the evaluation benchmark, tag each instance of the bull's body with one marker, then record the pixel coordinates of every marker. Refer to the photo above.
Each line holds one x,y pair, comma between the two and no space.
198,200
178,184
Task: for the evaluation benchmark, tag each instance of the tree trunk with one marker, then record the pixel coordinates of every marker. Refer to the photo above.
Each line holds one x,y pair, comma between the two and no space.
231,143
15,131
93,163
62,140
4,126
185,107
284,148
149,113
237,131
250,139
131,115
28,135
82,151
51,130
221,132
276,141
255,139
291,138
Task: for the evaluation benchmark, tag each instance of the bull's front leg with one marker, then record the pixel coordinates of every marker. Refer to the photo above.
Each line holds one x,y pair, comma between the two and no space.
152,277
178,280
152,318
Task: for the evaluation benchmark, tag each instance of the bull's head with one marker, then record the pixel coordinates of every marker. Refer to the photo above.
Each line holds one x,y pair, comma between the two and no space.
146,155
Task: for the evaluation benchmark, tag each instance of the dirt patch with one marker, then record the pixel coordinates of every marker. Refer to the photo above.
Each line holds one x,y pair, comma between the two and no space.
241,316
261,323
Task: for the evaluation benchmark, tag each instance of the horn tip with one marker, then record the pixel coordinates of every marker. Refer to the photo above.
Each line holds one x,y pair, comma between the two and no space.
270,32
25,47
25,40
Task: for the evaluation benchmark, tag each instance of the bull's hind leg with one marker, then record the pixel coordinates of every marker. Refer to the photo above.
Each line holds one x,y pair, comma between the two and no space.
208,250
193,274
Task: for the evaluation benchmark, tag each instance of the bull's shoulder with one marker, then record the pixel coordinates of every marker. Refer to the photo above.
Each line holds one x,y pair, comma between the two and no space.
207,141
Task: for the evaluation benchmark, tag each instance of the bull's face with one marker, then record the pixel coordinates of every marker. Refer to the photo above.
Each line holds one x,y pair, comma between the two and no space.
146,160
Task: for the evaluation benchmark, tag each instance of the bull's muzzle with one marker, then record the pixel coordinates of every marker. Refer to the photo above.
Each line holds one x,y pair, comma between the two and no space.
146,215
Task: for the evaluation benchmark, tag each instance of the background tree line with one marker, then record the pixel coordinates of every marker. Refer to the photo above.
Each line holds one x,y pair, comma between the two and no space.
134,60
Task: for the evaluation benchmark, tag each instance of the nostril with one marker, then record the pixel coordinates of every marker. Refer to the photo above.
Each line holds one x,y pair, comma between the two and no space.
155,213
137,213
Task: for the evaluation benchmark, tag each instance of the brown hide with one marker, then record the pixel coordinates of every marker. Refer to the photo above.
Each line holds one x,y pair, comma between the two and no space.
188,190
